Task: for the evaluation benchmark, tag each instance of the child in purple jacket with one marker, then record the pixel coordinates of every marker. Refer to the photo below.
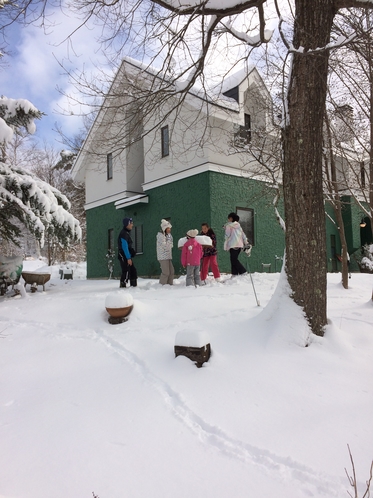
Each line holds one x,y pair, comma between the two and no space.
191,255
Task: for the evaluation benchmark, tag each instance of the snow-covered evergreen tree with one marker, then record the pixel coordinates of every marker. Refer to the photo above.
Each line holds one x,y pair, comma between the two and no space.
23,196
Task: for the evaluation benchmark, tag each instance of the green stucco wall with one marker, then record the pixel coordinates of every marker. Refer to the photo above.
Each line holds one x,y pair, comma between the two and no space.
231,192
352,215
207,197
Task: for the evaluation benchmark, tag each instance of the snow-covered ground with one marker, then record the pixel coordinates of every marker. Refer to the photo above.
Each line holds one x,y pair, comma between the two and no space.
87,407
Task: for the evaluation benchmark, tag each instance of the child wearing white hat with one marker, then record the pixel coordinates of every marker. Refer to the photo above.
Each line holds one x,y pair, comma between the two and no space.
191,255
164,253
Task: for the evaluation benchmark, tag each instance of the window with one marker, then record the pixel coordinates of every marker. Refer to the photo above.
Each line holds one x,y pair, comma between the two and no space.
110,241
136,236
109,166
165,141
362,175
248,127
247,222
233,93
243,135
333,248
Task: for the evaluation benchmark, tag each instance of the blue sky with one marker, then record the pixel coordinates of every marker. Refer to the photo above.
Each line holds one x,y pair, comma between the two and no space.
33,72
34,69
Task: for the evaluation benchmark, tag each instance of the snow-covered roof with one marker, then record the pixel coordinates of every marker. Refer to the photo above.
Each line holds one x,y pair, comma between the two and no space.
236,78
215,95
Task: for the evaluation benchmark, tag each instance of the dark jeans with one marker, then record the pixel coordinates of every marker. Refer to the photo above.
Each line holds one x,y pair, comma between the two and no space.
237,267
129,273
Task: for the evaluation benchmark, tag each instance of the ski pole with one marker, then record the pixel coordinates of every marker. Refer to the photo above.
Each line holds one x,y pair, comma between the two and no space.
251,278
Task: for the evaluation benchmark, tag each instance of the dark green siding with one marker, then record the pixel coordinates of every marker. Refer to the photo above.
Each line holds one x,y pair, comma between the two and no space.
207,197
231,192
352,215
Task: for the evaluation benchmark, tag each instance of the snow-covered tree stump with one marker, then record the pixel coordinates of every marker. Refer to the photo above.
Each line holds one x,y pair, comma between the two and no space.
195,345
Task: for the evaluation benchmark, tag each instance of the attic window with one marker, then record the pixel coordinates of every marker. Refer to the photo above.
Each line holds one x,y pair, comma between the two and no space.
232,94
243,136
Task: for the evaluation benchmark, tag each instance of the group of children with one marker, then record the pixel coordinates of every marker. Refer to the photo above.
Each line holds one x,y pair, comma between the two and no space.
192,253
198,259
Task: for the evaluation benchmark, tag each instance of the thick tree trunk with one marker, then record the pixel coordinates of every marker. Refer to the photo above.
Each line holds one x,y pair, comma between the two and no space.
303,171
371,141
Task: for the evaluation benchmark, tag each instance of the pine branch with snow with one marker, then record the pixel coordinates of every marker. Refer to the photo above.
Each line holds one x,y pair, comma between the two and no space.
16,114
25,198
366,261
40,207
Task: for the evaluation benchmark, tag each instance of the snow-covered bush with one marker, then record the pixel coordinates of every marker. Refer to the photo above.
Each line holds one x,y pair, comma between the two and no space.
110,261
366,262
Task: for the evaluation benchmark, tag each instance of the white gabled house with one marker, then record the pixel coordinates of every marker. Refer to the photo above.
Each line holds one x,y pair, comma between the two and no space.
189,158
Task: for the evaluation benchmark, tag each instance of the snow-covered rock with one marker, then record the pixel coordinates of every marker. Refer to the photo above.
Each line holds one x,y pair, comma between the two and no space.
192,338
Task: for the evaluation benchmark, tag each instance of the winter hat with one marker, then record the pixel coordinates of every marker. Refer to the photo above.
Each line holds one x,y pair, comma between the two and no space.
127,221
192,233
165,224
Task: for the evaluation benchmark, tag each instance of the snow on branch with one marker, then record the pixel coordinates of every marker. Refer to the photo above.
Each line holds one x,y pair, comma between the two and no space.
253,41
42,208
14,114
209,7
341,41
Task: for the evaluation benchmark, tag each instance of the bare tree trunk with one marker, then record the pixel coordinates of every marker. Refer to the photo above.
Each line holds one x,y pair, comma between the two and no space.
303,187
335,200
341,228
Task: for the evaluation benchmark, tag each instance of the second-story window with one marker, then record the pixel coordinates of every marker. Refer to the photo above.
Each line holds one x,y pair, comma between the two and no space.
165,138
109,166
248,127
362,174
243,135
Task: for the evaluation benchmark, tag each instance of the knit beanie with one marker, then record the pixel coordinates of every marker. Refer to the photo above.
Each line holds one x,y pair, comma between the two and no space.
192,233
165,224
126,221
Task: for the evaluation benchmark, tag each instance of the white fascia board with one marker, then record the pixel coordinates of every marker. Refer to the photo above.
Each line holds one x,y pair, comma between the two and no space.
106,200
203,168
130,201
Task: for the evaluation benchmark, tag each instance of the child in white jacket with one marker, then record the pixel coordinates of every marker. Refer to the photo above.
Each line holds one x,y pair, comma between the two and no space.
235,240
164,253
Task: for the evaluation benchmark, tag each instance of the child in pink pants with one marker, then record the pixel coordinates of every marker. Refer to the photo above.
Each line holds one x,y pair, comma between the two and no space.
209,254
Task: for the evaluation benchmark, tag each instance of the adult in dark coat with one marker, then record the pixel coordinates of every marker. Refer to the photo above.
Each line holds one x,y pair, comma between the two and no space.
126,253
